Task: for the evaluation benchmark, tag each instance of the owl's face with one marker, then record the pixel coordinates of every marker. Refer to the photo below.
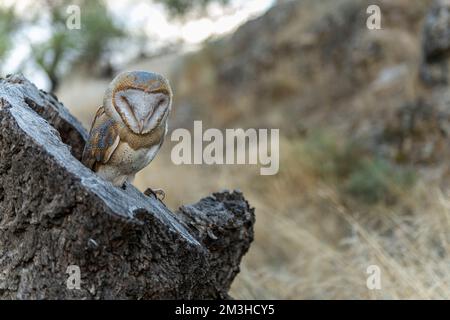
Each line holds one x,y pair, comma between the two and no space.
141,100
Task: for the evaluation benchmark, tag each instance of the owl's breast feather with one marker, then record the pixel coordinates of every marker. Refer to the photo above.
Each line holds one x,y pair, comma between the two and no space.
129,160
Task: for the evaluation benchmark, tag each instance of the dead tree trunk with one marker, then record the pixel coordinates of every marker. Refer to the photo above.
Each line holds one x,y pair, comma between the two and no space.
54,212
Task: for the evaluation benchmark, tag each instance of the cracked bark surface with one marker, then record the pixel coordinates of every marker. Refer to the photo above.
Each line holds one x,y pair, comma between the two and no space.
54,212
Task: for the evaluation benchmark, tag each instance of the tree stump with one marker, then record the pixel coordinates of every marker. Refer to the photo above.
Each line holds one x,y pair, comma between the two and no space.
56,213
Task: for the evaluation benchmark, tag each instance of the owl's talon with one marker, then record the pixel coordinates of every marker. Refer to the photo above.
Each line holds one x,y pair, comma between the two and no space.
157,193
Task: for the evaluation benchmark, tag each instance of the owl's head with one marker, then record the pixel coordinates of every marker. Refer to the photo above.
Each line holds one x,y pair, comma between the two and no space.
141,100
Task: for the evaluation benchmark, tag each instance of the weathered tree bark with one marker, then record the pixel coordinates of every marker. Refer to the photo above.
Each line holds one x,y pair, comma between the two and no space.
54,212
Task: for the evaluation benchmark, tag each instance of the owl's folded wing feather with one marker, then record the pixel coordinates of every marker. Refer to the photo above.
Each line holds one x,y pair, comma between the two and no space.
103,140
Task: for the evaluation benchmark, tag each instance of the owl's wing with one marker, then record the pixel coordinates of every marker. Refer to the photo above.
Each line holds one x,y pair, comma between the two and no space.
103,140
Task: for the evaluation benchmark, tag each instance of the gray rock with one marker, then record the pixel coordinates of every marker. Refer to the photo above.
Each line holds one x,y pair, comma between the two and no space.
436,44
436,34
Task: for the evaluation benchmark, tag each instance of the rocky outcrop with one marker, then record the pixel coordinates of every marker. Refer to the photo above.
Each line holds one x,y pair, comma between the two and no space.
419,131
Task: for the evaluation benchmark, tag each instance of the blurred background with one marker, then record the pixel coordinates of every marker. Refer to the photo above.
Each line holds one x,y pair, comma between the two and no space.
363,118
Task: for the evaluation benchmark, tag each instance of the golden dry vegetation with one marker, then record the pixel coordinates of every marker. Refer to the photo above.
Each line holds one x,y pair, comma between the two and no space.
342,200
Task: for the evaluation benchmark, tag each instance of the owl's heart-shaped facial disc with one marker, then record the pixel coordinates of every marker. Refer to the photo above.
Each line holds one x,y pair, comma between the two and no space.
141,111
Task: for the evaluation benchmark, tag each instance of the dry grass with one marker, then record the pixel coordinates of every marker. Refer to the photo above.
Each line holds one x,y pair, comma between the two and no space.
413,256
310,245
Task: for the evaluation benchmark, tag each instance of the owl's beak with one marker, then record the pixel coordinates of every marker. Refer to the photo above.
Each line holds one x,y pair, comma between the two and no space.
141,126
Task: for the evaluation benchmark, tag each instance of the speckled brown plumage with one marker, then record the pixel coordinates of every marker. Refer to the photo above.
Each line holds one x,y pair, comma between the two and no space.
129,128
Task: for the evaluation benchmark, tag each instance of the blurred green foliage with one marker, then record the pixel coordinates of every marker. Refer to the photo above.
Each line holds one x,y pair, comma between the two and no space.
85,46
376,179
8,24
355,169
65,49
182,7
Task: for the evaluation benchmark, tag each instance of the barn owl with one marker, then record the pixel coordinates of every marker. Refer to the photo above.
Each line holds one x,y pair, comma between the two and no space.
129,129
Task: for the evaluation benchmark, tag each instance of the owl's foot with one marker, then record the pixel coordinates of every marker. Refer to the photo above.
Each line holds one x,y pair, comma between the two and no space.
157,193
